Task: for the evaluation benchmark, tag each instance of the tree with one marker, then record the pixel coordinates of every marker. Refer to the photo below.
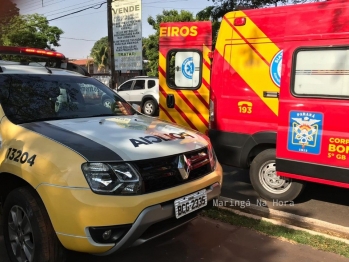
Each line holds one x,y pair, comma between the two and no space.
100,53
8,10
206,15
30,30
221,7
151,44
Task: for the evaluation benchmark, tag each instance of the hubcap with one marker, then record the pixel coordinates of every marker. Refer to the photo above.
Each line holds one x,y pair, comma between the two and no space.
21,235
148,108
271,181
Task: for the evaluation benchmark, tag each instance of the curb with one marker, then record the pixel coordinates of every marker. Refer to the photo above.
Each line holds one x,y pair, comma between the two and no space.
275,222
286,218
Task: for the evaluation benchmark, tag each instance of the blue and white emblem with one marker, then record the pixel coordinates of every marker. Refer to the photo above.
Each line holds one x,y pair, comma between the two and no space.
188,68
275,68
305,132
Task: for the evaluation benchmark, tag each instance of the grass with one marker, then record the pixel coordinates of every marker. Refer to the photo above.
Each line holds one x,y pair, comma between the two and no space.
301,237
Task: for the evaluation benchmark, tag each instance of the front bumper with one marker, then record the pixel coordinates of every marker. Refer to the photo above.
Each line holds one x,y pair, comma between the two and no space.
74,210
157,220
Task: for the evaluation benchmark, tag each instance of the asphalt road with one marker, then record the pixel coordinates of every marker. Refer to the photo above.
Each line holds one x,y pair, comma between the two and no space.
327,203
208,240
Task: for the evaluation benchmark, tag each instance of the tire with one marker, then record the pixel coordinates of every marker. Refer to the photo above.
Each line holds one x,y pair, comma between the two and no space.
267,184
150,108
107,102
34,232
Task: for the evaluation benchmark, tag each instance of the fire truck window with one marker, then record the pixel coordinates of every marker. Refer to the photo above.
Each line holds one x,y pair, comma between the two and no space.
322,72
184,69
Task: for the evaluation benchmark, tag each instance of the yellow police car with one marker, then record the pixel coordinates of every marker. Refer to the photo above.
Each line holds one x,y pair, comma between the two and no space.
83,175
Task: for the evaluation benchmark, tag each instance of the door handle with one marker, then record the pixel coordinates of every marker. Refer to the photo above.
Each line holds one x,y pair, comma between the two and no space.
270,94
170,101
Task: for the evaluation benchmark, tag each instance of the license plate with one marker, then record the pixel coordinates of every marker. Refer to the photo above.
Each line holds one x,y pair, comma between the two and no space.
190,203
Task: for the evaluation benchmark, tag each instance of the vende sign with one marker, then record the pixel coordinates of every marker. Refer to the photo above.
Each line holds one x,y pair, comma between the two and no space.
127,33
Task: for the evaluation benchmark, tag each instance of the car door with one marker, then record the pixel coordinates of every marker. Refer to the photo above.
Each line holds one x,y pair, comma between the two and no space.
137,92
125,89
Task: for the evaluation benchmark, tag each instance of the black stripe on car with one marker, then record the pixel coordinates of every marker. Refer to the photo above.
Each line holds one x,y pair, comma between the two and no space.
87,148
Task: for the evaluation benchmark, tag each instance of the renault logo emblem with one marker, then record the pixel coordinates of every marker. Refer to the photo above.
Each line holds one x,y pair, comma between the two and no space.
184,166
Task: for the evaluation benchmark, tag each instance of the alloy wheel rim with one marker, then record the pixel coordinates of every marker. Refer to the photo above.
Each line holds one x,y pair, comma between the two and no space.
21,235
148,108
271,181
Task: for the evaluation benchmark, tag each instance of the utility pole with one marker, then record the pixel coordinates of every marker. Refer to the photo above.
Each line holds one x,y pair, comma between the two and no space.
111,44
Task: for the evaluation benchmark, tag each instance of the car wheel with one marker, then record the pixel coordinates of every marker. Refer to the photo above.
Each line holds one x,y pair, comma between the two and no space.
268,184
107,103
149,107
28,232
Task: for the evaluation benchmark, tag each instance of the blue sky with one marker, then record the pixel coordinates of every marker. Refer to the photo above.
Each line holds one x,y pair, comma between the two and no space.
92,24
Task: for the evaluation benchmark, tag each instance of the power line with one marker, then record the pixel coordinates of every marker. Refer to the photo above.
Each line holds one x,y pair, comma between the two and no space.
67,7
79,11
104,10
142,5
92,5
186,8
31,4
59,17
38,6
79,6
80,39
95,6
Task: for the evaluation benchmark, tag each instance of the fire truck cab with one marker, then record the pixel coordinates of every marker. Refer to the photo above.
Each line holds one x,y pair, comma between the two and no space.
278,91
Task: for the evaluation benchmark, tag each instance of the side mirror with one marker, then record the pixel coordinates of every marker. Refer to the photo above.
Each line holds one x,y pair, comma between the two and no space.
137,107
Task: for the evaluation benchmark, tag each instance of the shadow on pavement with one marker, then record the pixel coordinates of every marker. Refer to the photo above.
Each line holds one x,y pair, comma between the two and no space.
317,201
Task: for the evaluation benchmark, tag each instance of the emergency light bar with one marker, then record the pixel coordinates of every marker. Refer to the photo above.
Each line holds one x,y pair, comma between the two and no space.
9,50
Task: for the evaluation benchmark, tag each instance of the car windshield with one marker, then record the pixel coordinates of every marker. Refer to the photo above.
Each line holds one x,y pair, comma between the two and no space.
30,98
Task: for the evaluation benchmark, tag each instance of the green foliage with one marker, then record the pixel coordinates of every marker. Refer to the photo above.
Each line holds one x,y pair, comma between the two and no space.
206,15
151,43
221,7
103,42
100,53
30,30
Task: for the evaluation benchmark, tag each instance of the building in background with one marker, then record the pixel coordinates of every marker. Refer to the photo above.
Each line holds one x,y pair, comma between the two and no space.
103,75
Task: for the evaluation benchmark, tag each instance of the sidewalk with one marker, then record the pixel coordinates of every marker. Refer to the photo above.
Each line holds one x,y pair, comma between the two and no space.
213,241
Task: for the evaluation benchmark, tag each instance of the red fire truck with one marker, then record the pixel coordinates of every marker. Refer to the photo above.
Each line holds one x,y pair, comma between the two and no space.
275,97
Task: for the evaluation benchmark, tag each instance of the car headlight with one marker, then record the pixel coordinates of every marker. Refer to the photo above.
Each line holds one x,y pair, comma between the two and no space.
211,153
112,179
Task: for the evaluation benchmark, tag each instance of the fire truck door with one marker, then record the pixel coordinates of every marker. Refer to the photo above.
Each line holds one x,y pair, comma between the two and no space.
184,73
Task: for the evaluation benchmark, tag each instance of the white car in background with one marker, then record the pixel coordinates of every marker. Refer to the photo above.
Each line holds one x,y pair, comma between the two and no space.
141,90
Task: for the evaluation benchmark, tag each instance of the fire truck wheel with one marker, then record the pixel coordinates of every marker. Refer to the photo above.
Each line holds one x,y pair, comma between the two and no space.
269,185
28,232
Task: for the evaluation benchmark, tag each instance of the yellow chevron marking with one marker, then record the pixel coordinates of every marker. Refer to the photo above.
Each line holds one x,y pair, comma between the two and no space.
245,60
206,72
180,103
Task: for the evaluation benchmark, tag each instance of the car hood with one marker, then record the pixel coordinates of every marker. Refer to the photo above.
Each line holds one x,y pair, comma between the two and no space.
125,138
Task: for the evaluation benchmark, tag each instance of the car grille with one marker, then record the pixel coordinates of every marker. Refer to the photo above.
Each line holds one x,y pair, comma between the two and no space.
162,173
